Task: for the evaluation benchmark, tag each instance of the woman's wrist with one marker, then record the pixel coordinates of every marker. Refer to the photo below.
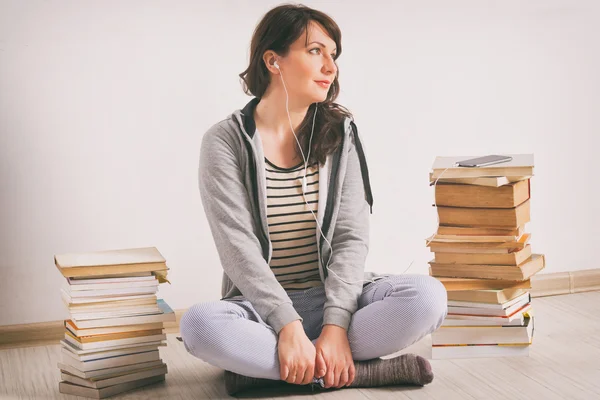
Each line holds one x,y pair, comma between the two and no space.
291,327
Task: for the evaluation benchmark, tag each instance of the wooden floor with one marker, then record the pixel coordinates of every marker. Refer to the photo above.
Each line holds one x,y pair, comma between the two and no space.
564,364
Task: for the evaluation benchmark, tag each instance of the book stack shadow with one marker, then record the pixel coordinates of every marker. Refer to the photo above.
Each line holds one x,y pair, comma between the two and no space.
483,256
116,325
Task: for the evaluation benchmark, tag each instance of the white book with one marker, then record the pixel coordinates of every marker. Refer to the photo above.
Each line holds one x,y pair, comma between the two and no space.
127,347
112,305
76,390
140,255
99,384
98,314
478,351
107,286
166,316
100,364
109,372
494,322
466,335
89,300
117,342
111,292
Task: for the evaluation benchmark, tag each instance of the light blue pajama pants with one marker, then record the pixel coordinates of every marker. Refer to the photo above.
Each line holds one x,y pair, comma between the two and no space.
393,313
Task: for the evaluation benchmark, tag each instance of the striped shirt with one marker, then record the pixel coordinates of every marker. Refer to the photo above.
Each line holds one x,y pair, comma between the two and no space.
292,227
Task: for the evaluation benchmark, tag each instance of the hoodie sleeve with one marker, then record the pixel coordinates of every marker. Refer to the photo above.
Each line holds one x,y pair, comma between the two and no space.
350,247
226,203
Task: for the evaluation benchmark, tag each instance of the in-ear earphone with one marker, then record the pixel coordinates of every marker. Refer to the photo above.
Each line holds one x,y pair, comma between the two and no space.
276,65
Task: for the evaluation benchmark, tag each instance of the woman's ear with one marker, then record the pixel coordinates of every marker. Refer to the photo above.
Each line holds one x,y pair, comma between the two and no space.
270,59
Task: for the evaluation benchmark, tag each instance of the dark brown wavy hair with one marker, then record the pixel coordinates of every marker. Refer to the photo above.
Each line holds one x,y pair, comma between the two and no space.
277,30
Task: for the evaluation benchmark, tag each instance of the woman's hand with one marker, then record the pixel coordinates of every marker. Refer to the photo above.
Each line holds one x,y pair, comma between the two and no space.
296,354
334,357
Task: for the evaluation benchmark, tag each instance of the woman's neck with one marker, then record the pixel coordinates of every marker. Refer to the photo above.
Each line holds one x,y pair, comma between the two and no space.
271,115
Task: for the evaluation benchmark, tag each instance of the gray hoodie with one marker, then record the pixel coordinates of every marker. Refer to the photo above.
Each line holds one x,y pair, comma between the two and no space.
233,192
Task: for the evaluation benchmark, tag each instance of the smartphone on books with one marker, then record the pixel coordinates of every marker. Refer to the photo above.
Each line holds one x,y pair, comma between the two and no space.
483,161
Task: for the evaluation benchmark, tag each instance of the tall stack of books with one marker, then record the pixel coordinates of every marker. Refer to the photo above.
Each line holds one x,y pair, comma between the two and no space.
483,257
116,321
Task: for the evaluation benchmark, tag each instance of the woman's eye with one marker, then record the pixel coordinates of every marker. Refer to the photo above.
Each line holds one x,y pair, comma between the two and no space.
317,48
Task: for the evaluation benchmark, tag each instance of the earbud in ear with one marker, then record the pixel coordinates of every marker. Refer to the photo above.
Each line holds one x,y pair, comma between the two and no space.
276,65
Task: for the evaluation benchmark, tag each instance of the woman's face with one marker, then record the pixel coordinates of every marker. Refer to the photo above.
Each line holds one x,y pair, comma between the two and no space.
309,70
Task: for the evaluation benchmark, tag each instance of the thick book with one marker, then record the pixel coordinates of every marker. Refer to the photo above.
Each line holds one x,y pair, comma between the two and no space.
116,262
77,390
445,167
452,284
485,217
504,334
102,383
166,315
490,310
110,372
491,181
142,255
108,362
480,231
109,330
477,351
493,296
457,195
512,258
525,270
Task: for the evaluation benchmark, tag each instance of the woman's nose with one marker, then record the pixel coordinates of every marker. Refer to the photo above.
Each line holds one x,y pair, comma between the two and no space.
329,65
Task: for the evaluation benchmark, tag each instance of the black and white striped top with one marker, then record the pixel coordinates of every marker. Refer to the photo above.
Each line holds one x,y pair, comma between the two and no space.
292,227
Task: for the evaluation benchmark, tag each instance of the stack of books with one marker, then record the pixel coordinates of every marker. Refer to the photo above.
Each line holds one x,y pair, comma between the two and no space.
483,257
116,321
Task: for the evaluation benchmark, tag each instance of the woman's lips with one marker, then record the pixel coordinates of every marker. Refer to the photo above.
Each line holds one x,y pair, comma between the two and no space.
323,84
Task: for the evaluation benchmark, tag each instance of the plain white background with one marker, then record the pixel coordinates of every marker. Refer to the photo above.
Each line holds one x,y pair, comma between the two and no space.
103,106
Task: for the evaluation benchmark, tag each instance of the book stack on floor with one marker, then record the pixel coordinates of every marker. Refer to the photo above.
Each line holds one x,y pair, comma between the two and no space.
116,321
484,258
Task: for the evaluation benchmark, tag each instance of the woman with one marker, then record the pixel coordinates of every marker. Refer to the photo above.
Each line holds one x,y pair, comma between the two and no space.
293,309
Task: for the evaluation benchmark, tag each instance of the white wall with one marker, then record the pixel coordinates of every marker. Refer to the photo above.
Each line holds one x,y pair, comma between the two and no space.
103,106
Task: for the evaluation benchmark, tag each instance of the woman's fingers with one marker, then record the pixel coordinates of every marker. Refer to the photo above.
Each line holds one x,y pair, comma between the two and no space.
308,376
284,371
300,370
343,378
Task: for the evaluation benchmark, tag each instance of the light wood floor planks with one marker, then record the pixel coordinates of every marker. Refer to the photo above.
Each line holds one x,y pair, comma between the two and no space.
564,364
